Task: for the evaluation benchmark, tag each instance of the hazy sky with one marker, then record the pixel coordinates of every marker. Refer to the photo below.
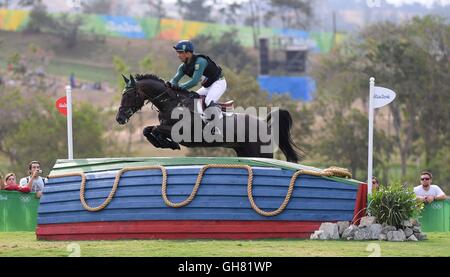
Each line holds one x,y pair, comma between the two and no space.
427,3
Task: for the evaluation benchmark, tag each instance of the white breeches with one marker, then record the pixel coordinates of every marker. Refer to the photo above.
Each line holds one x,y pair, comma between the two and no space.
214,92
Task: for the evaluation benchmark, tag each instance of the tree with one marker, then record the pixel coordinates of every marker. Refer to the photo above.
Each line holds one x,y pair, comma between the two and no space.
411,58
226,50
42,135
195,10
97,6
39,20
254,19
231,13
68,29
156,8
13,110
65,26
295,14
406,57
344,141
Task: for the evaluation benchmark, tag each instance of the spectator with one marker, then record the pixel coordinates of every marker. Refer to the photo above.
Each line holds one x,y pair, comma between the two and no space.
10,183
375,184
34,182
427,192
73,82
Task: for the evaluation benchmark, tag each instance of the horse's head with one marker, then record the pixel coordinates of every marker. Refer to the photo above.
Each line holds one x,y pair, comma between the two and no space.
131,101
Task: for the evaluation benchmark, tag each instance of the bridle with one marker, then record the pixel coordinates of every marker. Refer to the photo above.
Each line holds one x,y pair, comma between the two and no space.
129,110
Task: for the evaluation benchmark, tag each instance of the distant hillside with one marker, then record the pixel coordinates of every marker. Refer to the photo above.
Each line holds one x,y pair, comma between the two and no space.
90,59
354,14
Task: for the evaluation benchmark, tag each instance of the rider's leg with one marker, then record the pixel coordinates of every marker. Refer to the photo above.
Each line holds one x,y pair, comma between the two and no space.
199,102
213,94
215,91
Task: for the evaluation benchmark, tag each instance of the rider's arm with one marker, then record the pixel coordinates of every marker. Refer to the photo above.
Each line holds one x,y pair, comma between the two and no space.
200,66
178,76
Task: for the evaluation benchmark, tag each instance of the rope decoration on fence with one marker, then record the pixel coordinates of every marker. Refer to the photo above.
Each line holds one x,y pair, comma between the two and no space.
114,187
329,172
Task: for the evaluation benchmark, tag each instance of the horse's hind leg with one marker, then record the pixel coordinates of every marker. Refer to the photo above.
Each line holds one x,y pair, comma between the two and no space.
252,151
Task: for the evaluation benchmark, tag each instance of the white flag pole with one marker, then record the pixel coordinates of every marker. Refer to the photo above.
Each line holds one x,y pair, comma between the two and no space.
69,122
370,148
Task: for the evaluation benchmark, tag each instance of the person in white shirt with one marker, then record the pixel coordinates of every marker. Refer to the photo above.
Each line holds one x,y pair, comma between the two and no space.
427,192
34,182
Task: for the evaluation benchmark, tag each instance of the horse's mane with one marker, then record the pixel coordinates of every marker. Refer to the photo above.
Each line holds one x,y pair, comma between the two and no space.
140,77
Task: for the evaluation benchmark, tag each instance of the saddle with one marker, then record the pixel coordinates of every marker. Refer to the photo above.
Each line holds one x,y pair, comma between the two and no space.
225,106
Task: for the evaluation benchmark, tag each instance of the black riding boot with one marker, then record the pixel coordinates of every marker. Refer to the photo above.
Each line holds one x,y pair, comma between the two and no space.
217,112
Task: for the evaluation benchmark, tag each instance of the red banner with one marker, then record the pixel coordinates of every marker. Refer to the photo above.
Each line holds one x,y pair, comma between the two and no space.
61,105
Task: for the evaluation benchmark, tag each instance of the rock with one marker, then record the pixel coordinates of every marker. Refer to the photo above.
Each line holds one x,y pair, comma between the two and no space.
416,229
349,232
382,237
388,228
407,223
342,225
316,235
330,230
422,236
408,232
349,238
415,222
412,238
396,235
375,231
362,234
390,235
367,221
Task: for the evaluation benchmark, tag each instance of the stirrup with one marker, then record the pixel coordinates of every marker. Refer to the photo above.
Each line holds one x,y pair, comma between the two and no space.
217,107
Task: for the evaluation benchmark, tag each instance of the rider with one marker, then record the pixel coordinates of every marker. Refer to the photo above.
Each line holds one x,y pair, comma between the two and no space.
199,68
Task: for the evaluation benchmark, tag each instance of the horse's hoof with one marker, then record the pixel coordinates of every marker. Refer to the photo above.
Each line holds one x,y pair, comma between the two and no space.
148,130
175,146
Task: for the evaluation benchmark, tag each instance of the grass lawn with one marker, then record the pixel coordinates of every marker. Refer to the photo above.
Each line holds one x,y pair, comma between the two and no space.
20,244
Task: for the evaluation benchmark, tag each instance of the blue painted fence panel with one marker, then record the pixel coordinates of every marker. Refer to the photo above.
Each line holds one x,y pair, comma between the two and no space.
222,196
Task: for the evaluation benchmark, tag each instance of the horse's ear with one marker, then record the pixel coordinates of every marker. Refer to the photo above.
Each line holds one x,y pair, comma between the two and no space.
133,82
125,79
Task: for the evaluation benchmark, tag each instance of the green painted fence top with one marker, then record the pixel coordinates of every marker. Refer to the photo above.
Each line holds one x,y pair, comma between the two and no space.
63,166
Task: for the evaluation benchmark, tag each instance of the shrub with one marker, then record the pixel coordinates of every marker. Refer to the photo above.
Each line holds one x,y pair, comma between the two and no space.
394,204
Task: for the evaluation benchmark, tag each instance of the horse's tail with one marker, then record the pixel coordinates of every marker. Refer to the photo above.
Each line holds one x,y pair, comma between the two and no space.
292,152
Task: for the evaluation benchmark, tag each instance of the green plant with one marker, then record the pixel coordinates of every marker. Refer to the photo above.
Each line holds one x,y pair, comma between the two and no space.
394,204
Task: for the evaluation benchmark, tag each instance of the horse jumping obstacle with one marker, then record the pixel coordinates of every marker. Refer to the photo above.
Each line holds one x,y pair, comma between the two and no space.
190,198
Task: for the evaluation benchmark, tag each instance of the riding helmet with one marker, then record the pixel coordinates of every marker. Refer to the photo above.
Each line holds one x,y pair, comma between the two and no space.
184,46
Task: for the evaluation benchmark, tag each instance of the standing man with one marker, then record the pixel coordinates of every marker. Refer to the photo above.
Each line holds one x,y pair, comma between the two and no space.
199,68
427,192
34,182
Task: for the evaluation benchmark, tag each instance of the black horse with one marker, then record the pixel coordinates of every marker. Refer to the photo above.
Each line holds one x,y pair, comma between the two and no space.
236,131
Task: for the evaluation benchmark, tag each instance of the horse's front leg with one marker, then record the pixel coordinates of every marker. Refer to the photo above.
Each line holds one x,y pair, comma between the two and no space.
151,137
159,136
